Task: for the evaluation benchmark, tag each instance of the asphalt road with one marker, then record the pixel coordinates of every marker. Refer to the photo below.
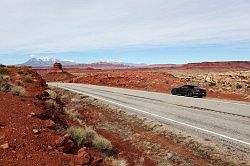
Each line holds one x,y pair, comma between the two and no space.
224,121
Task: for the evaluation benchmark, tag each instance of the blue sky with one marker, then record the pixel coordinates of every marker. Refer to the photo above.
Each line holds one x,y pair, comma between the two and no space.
142,31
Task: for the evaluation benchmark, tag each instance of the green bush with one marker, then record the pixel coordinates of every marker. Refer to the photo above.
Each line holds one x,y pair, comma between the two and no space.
18,91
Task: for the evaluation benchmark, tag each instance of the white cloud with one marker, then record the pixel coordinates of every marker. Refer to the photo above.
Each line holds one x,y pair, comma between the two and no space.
63,25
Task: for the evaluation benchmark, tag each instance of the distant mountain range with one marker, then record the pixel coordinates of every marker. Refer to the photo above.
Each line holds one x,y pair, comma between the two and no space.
46,62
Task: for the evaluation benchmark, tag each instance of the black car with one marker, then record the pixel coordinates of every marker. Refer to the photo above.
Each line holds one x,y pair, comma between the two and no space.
189,90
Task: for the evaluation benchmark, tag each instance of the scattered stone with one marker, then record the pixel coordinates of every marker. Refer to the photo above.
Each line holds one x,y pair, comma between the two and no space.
49,123
4,146
96,161
61,140
50,147
32,114
64,144
68,146
35,131
83,156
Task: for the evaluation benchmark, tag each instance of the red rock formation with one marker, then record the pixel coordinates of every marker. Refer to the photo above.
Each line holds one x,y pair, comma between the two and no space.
57,67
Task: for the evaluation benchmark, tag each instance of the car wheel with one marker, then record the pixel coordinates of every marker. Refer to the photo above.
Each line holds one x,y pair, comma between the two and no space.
190,94
174,92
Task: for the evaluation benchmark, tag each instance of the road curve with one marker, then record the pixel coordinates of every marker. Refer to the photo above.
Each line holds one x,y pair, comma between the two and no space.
224,121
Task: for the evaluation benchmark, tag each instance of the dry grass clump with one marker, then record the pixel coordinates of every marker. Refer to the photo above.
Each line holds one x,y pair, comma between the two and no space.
3,70
73,114
102,143
5,87
77,134
75,100
80,134
18,82
18,91
51,104
116,162
52,94
90,133
64,98
6,78
28,79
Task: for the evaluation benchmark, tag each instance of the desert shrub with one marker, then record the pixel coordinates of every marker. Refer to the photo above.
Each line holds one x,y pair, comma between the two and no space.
101,143
73,114
212,84
6,78
20,72
51,104
52,94
18,91
116,162
90,133
3,70
18,82
6,87
238,86
28,79
75,100
64,98
77,134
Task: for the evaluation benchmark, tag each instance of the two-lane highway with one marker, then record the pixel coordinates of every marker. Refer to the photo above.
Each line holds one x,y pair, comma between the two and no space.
224,121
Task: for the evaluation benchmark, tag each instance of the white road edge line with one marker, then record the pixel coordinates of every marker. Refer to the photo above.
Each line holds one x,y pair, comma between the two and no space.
172,120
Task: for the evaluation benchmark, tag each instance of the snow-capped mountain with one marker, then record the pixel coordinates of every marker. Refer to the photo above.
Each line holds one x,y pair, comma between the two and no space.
45,61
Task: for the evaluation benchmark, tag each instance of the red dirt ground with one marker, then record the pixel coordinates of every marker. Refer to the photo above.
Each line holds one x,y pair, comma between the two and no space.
58,76
24,125
230,65
143,80
26,148
151,81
